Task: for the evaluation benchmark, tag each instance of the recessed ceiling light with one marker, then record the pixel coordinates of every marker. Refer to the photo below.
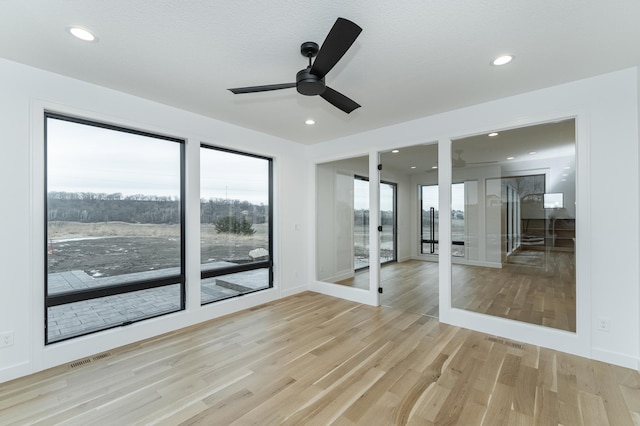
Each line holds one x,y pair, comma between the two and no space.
434,167
82,33
310,122
511,158
532,152
502,60
493,134
395,151
565,175
567,167
413,167
564,180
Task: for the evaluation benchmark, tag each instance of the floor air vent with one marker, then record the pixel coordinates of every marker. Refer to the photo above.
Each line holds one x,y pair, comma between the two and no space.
101,356
80,363
85,361
505,342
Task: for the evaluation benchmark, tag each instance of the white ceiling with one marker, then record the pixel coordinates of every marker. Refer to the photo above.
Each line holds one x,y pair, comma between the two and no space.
522,145
414,58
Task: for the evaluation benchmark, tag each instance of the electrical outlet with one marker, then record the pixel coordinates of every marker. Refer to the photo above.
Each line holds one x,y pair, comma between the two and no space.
603,324
6,339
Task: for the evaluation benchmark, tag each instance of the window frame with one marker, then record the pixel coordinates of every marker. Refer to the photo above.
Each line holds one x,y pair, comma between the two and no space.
113,289
268,264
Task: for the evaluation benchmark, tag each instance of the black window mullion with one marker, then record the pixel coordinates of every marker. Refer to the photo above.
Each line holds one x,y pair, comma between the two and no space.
235,269
110,290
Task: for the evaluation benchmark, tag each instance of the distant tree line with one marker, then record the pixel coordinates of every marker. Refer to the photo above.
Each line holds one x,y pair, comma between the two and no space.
361,217
90,207
455,214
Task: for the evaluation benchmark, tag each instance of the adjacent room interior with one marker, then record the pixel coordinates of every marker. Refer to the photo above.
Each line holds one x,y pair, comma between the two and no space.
513,225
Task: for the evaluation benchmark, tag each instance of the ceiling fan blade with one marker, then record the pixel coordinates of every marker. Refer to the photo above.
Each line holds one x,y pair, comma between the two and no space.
338,41
253,89
339,100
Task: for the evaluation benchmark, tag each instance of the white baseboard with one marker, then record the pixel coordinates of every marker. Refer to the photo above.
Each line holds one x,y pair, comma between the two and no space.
339,277
477,263
615,358
295,290
15,371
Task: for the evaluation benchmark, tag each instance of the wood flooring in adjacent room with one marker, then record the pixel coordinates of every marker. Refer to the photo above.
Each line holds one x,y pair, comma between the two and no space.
313,359
538,288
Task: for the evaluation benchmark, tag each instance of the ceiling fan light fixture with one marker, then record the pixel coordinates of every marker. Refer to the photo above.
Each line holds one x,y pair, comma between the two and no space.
502,60
82,33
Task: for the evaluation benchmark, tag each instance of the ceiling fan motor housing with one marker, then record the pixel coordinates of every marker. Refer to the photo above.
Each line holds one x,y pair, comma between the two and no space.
309,84
310,81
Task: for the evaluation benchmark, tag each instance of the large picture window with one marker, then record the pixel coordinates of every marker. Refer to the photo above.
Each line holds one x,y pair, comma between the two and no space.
235,223
114,226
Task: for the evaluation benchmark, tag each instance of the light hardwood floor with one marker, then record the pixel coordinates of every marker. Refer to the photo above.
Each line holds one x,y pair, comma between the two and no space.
411,286
311,359
540,291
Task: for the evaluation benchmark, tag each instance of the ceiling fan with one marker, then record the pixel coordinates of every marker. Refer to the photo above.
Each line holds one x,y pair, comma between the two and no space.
310,81
459,162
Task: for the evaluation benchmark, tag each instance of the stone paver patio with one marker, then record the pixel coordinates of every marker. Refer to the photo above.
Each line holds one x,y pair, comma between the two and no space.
90,315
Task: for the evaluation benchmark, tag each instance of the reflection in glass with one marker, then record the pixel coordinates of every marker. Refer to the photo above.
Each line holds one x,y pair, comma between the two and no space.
520,247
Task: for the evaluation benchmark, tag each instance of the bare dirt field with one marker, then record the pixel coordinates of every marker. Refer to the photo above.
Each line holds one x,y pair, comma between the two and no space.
116,248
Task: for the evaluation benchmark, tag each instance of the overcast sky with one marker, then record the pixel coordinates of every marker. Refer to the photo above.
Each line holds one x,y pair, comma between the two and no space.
83,158
430,196
361,195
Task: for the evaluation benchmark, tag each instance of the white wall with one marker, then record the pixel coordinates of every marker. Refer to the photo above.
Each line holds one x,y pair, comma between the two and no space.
25,91
608,277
